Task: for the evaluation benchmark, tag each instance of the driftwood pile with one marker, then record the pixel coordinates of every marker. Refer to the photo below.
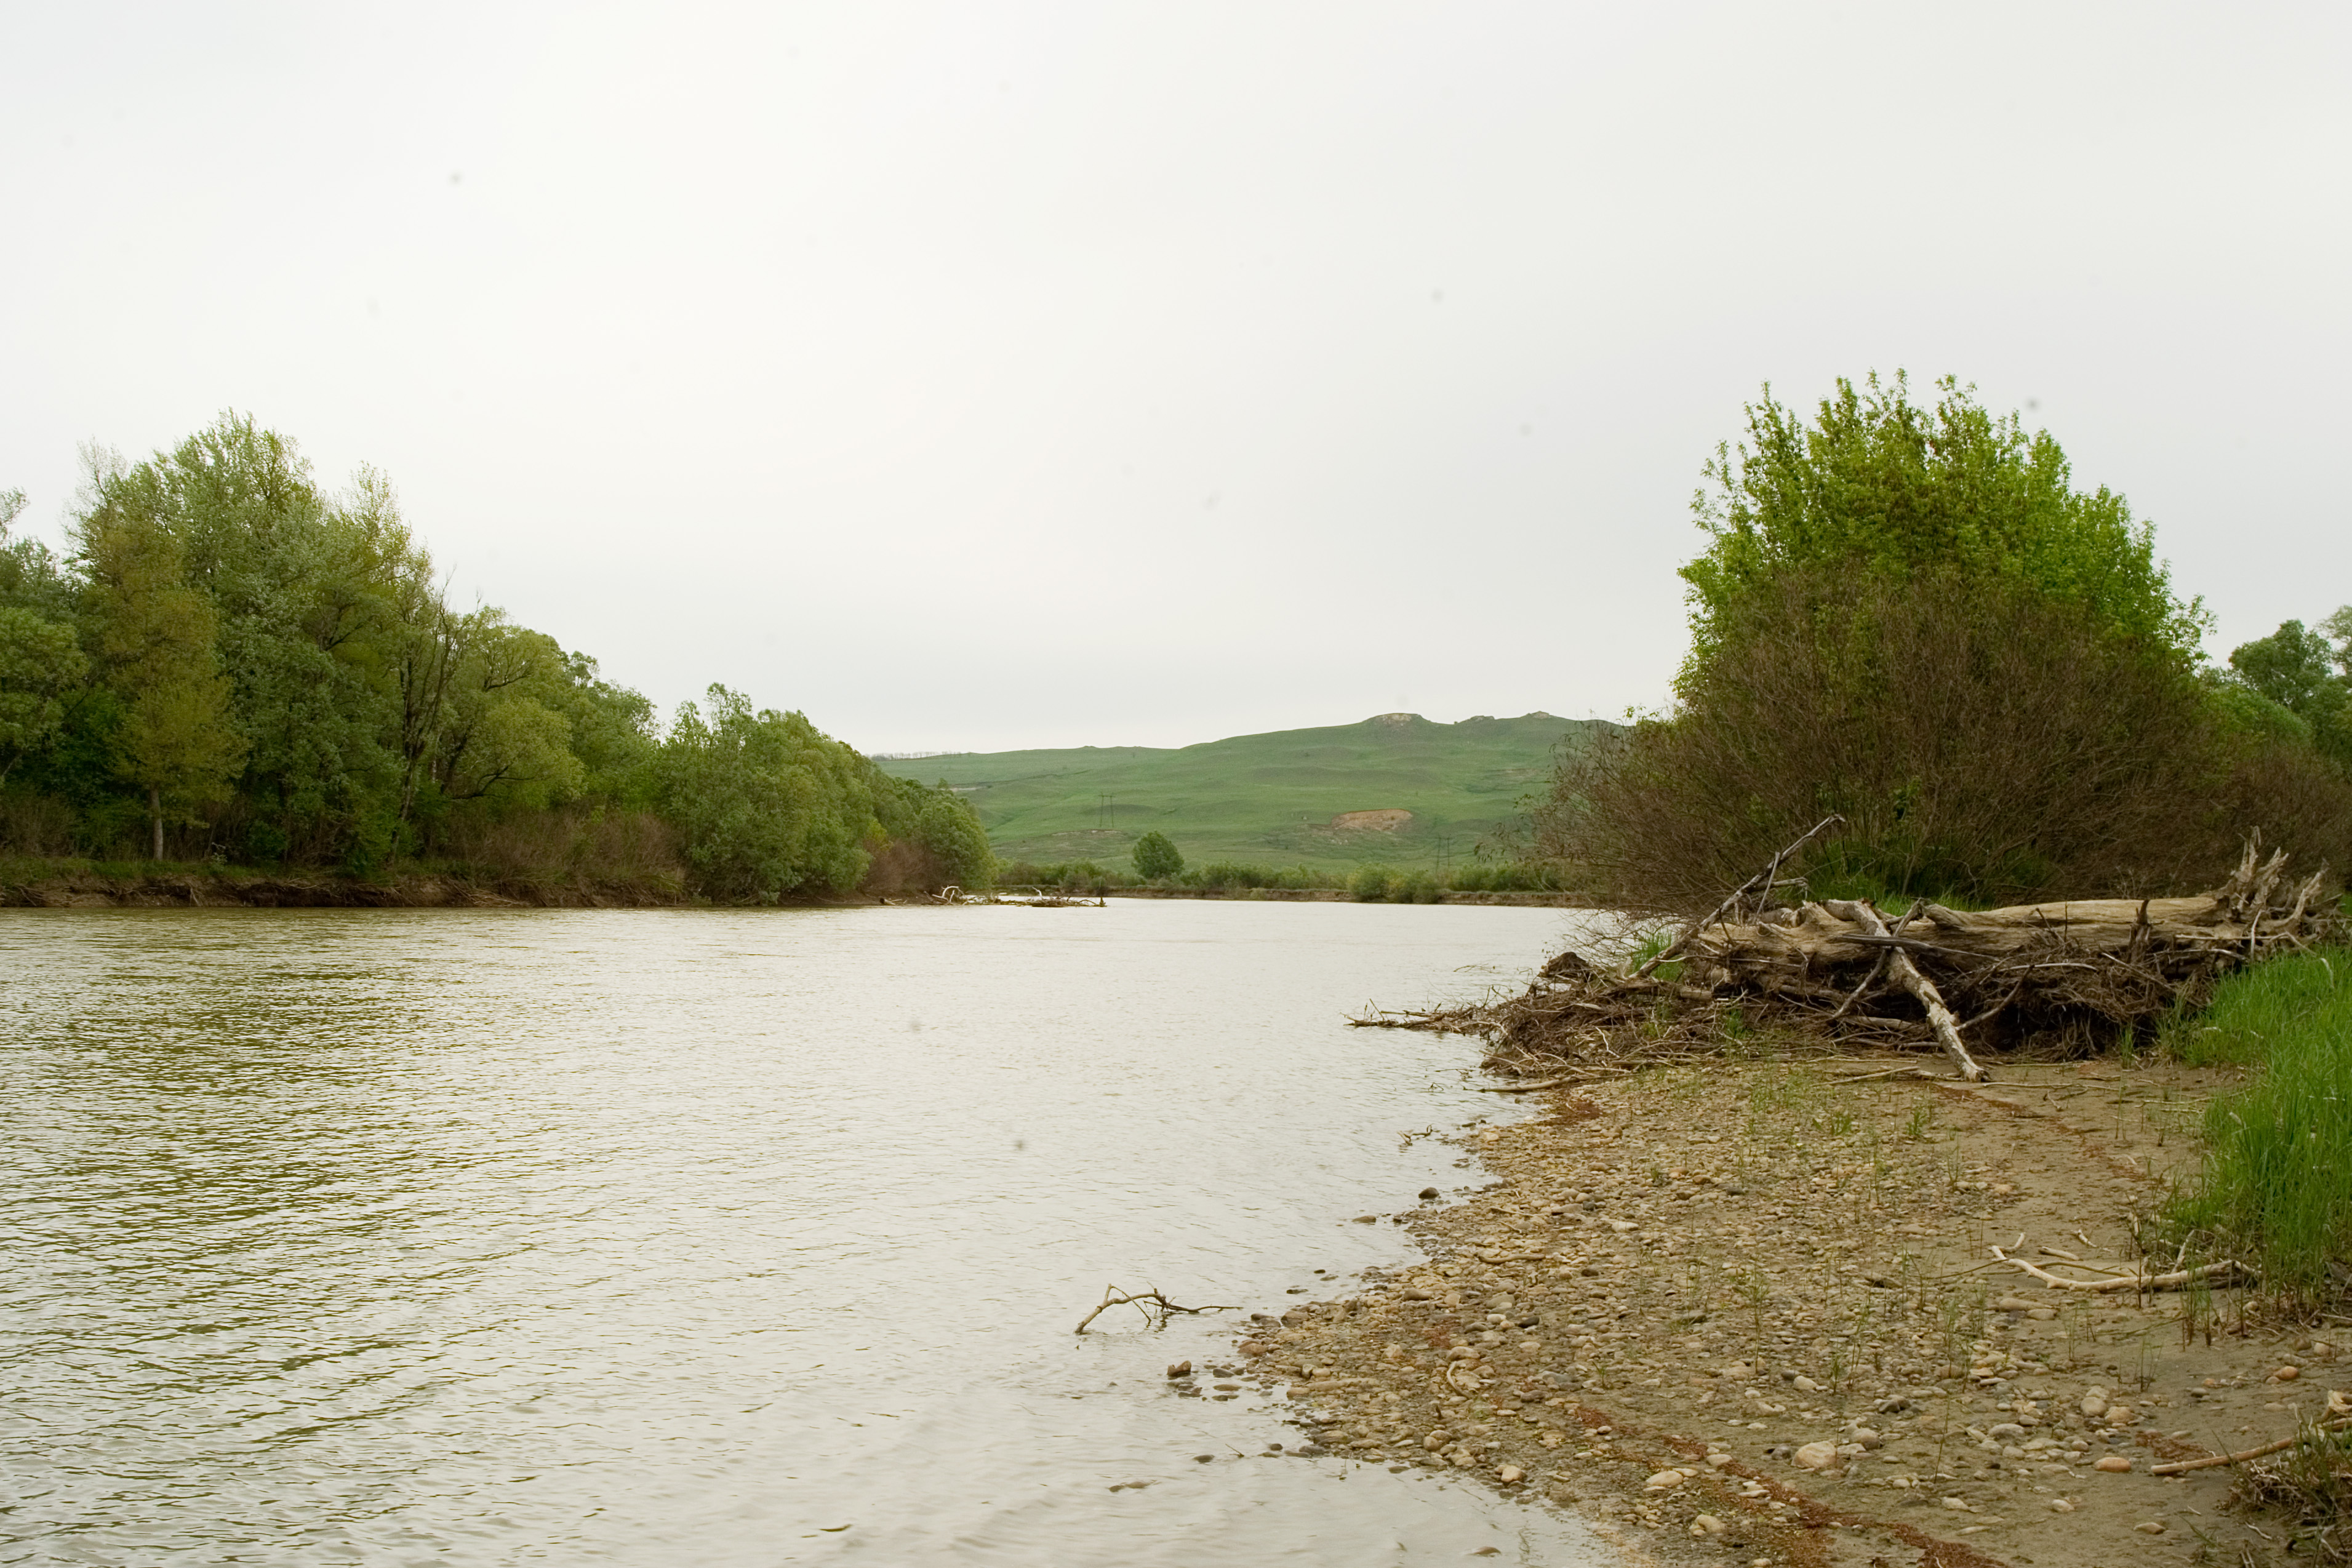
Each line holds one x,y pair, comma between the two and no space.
2070,977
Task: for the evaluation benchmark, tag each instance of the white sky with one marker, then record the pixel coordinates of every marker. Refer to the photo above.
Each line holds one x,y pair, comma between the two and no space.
984,375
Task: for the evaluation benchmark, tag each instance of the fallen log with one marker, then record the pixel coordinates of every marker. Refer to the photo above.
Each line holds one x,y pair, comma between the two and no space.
1898,962
2075,972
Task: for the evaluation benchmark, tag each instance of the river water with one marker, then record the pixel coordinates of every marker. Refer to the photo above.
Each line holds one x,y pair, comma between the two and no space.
700,1237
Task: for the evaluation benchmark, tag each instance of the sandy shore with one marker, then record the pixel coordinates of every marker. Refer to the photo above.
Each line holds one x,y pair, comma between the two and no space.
1748,1313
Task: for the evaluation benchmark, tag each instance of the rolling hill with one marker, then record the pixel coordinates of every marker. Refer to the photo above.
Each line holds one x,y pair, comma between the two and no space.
1397,789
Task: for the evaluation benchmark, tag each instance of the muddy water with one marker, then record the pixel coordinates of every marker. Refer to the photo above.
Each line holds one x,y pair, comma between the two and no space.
487,1237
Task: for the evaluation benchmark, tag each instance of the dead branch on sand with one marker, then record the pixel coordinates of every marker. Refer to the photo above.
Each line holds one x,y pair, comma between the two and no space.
2135,1283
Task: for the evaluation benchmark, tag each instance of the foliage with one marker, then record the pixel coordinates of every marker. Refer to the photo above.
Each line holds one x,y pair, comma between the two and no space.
1417,887
1069,876
769,807
2308,674
40,662
1908,617
1227,874
1878,486
1978,740
1155,857
1372,884
230,650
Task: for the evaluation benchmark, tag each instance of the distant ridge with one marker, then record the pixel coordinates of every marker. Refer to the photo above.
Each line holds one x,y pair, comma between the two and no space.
1395,788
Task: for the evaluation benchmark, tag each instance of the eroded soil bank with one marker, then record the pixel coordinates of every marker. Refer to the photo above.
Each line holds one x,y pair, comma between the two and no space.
1749,1312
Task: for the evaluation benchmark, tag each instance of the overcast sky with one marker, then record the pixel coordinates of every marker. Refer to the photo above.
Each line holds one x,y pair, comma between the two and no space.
982,375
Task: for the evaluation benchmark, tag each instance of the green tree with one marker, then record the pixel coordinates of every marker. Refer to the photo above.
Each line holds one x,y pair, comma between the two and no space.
769,806
1156,856
1878,485
1910,616
41,661
2304,671
302,588
501,734
177,740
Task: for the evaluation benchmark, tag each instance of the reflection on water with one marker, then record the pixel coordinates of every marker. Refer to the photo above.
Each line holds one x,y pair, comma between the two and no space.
478,1237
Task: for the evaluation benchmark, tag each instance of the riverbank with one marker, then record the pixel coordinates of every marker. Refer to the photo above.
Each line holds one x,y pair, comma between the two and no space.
47,886
1749,1312
54,885
1341,896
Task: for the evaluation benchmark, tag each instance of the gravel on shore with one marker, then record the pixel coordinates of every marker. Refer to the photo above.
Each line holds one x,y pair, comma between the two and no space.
1748,1311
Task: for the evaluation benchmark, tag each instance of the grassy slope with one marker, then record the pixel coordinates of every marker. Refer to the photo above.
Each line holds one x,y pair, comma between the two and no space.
1266,799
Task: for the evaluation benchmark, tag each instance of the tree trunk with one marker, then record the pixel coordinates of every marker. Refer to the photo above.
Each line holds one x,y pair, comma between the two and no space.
155,809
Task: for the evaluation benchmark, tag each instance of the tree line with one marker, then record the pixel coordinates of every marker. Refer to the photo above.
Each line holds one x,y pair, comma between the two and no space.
1907,613
227,663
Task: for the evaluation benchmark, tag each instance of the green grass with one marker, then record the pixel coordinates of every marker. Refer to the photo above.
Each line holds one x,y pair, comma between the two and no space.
2290,999
2276,1188
1266,799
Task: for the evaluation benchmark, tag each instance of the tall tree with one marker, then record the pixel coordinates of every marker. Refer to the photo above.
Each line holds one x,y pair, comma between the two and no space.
156,638
1879,485
1908,614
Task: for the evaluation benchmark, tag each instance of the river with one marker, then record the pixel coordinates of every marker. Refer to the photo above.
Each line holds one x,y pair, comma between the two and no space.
696,1237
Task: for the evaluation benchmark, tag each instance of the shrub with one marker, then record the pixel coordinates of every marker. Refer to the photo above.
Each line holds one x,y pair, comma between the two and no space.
1371,884
1230,874
1419,887
1156,856
1069,876
1979,738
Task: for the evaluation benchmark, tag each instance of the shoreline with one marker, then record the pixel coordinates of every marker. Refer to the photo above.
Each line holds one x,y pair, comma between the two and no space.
1341,896
235,888
167,888
1747,1312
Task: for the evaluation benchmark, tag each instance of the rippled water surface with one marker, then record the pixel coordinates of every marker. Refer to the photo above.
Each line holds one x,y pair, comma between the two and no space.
478,1238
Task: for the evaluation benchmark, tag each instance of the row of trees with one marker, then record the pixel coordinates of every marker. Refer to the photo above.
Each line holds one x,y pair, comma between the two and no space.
1908,614
230,663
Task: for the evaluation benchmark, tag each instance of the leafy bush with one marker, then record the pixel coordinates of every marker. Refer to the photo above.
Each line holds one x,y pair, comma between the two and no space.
1155,858
770,808
1980,740
1229,874
1371,884
1419,887
1069,876
1909,616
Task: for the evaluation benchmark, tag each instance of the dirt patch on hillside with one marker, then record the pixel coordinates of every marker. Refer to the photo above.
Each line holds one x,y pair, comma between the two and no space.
1384,821
1749,1312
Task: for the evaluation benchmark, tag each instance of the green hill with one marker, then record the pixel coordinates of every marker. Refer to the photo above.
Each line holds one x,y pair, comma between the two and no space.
1396,789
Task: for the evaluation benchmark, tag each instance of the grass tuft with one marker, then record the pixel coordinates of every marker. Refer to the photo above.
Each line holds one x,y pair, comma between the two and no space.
2276,1188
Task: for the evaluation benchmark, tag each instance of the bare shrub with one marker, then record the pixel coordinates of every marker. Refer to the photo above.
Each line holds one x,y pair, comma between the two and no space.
904,864
570,843
1982,740
36,825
